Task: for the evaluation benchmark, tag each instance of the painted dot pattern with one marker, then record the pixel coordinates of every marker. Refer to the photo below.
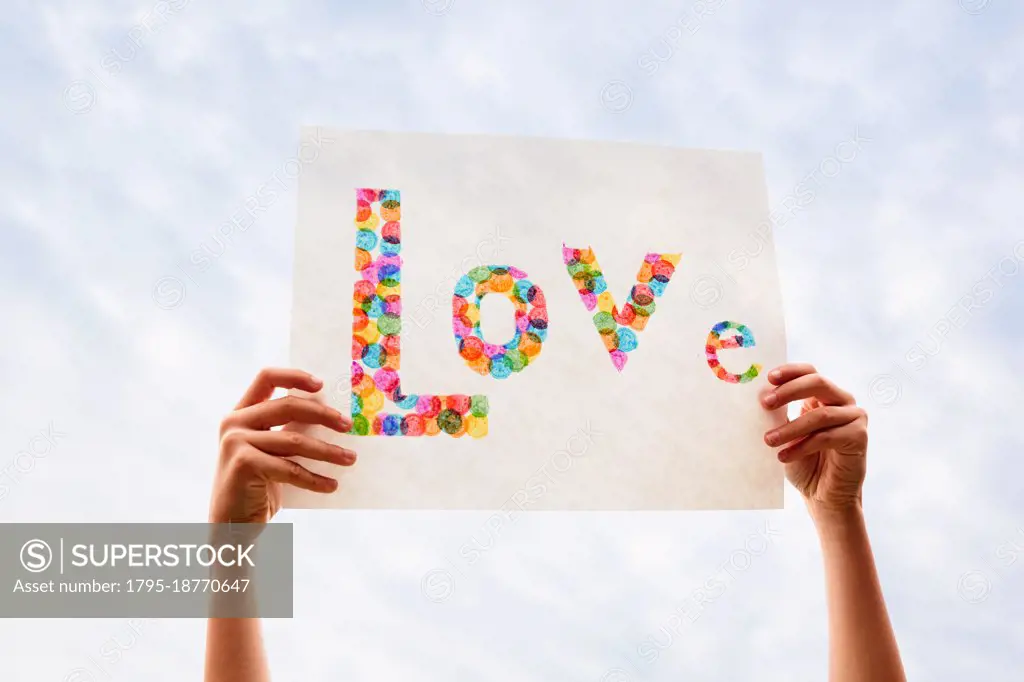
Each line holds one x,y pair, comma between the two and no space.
376,337
531,316
619,328
717,342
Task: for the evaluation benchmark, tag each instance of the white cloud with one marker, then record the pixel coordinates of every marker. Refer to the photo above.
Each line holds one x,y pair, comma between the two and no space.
98,206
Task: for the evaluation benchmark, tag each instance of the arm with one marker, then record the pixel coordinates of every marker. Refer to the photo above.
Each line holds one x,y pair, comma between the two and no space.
247,489
234,651
234,646
825,455
862,644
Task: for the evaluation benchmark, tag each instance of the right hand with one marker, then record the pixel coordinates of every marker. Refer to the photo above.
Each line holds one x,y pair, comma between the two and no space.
826,453
252,465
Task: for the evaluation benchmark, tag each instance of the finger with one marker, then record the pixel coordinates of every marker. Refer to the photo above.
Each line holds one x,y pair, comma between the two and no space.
835,439
292,443
271,378
790,371
827,417
288,471
290,408
807,386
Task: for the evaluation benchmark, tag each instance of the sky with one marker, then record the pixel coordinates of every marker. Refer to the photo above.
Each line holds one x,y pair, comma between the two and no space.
892,141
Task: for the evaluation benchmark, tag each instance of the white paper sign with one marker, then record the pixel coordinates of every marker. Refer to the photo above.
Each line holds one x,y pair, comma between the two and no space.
525,323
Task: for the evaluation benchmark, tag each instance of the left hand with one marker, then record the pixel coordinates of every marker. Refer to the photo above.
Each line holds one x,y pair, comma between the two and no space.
825,449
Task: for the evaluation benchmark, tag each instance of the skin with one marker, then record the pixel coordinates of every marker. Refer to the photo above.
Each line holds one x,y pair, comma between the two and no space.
823,451
247,489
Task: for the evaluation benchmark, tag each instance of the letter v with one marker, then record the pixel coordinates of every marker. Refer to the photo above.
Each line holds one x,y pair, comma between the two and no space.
618,327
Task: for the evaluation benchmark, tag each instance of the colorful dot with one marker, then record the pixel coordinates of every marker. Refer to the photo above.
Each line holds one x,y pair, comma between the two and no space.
366,239
389,324
377,326
617,328
479,406
627,339
485,358
449,420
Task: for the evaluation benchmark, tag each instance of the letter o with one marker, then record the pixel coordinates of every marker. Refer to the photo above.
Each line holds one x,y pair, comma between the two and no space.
488,359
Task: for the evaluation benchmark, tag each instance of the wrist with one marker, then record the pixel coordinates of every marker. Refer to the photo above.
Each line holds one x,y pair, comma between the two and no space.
831,520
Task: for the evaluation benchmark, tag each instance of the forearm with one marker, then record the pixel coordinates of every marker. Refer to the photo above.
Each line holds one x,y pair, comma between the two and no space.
234,646
234,651
862,645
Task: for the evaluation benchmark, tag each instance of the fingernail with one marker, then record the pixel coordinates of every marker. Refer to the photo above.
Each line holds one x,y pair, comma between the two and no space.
783,457
772,438
775,374
771,399
316,380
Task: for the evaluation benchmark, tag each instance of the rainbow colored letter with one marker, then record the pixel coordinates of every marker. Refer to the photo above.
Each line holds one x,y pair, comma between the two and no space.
618,328
531,320
716,343
376,337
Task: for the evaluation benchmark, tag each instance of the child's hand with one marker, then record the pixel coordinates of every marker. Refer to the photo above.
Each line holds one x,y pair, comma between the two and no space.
247,486
826,447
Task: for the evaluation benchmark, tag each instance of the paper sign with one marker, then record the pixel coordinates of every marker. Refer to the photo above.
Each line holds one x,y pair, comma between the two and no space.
528,324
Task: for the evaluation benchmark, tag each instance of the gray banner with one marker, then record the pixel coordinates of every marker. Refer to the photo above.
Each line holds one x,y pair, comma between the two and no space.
138,570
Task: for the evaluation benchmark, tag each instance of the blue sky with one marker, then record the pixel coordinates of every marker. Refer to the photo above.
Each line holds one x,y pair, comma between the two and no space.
126,148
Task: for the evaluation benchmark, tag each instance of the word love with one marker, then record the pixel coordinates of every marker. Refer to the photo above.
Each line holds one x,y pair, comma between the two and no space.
377,325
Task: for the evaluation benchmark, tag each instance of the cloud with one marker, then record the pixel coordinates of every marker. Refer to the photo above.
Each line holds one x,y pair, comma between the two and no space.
101,202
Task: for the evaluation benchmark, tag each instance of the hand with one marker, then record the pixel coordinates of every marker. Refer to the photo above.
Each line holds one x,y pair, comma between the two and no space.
247,486
826,446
